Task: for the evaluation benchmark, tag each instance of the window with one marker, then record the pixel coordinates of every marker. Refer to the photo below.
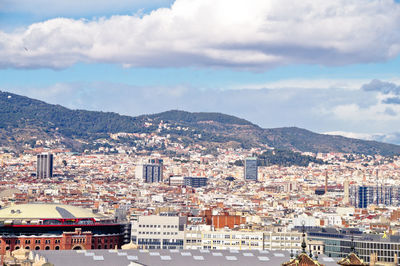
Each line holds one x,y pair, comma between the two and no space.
37,241
57,248
27,241
47,241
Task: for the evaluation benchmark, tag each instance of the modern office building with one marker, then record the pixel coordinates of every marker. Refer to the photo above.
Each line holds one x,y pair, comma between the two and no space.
159,232
44,165
195,182
250,169
151,172
338,243
363,196
57,227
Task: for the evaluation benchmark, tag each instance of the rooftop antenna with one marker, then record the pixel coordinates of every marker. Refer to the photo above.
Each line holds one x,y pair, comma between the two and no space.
303,244
352,246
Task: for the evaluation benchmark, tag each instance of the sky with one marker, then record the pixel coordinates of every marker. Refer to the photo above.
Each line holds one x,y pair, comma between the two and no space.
327,66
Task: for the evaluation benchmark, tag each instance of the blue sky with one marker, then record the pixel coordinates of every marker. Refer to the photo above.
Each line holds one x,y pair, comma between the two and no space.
331,66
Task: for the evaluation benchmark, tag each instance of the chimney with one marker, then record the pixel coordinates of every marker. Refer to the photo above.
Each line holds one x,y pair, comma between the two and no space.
326,182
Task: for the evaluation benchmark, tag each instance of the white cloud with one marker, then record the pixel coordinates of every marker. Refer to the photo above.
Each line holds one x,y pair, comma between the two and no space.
354,135
349,84
223,33
379,112
382,137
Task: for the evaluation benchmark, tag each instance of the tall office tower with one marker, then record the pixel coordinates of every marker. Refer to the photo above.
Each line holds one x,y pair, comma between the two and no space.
151,172
44,167
362,196
250,169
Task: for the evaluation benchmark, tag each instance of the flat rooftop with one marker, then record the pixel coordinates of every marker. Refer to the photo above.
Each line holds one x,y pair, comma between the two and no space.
170,257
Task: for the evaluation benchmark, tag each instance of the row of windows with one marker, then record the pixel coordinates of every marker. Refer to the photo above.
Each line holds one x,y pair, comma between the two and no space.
105,240
36,248
157,226
78,240
102,247
28,241
158,240
158,233
246,237
193,241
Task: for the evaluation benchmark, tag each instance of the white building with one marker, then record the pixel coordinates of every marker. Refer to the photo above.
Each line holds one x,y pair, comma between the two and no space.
159,232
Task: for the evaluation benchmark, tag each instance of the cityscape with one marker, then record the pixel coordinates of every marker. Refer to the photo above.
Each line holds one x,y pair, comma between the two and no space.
199,132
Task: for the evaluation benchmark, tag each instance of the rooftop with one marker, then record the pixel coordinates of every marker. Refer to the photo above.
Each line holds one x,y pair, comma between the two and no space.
170,257
47,211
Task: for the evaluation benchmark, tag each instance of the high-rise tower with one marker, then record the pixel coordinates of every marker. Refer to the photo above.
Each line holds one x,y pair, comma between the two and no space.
44,166
250,169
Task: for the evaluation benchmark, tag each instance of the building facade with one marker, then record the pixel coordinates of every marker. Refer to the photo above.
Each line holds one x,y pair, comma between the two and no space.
195,182
159,232
363,196
244,240
251,169
338,243
44,165
57,227
150,173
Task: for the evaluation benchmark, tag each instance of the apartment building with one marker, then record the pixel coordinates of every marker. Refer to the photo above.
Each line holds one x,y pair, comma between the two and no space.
242,240
159,232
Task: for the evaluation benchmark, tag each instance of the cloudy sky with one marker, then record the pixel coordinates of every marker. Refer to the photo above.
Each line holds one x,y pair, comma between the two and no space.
328,66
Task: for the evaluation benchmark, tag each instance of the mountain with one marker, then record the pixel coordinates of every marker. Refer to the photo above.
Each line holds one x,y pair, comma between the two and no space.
29,122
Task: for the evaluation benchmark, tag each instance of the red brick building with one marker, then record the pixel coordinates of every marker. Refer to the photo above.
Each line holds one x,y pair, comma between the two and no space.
57,227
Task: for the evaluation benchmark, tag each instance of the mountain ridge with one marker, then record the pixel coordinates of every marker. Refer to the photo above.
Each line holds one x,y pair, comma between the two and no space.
24,120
